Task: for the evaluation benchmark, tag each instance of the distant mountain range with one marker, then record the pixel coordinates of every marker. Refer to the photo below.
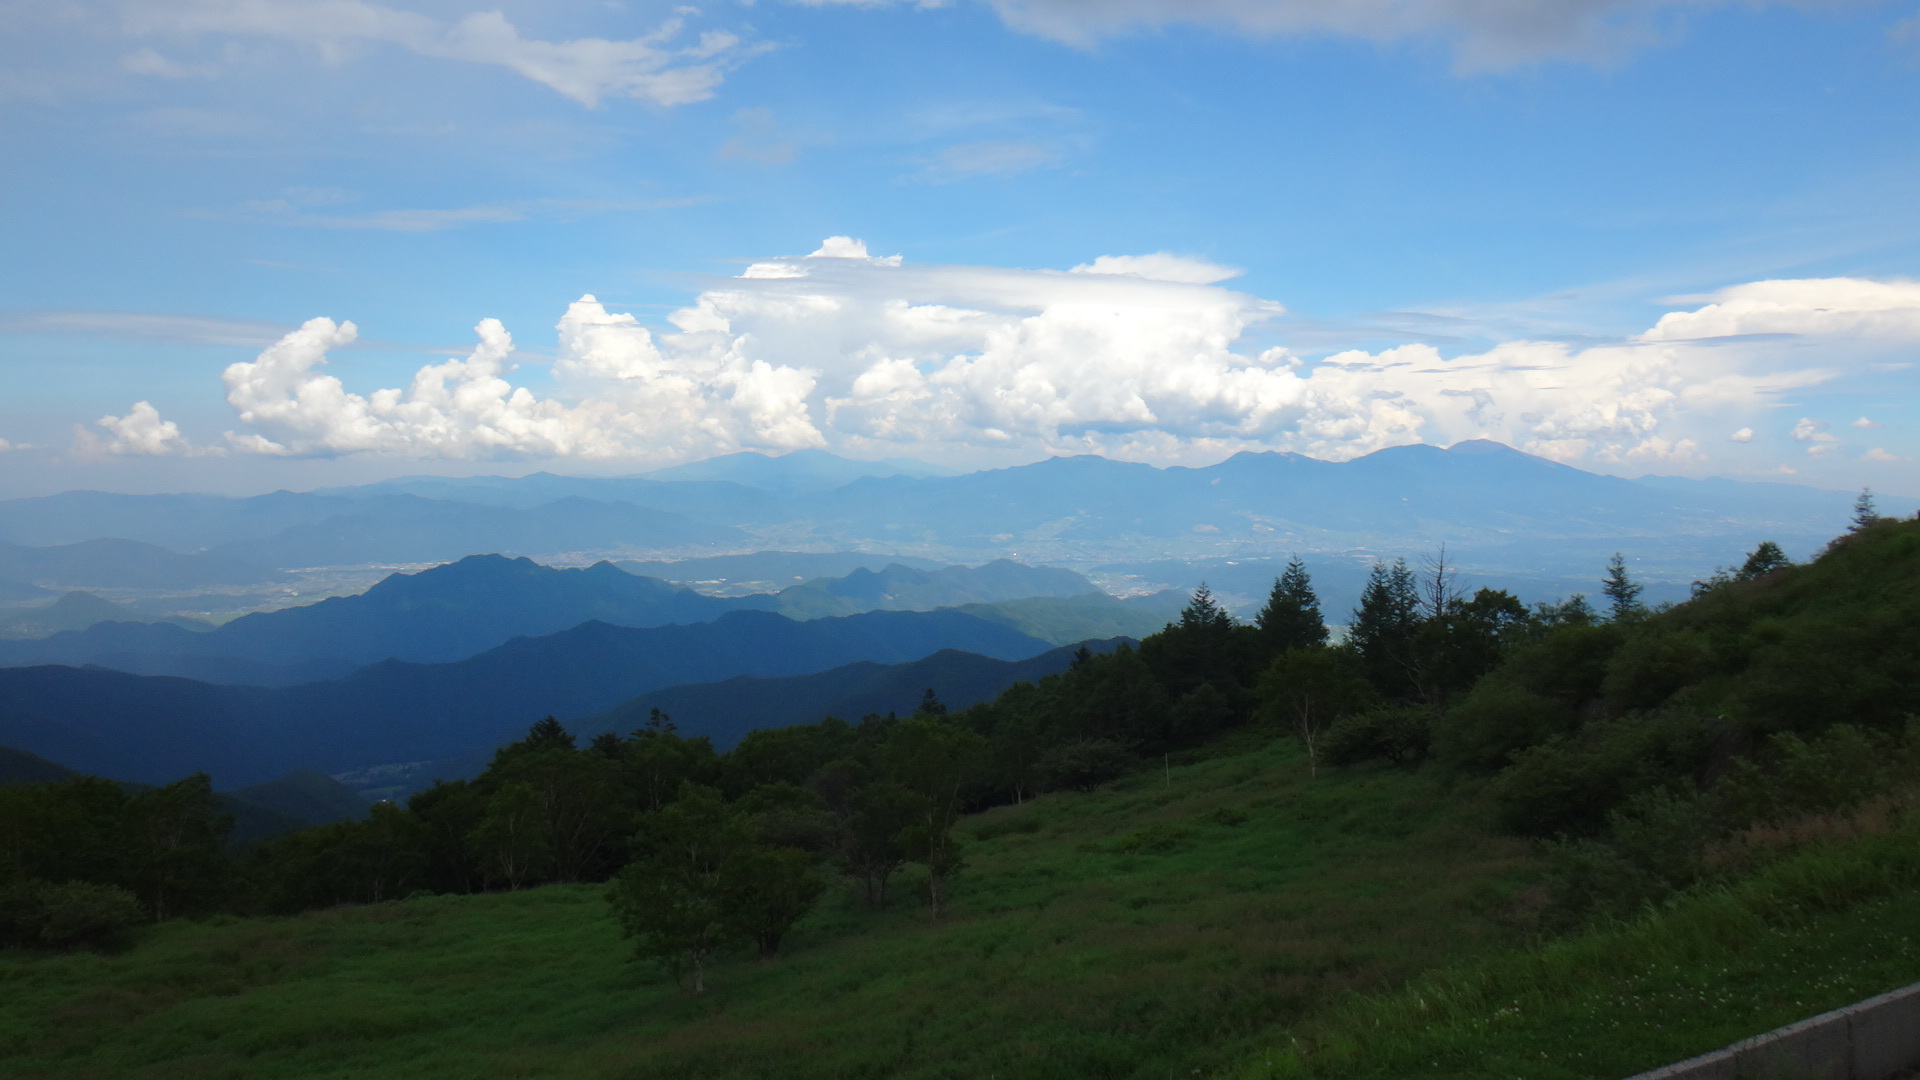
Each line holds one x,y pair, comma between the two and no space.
454,611
1496,508
155,728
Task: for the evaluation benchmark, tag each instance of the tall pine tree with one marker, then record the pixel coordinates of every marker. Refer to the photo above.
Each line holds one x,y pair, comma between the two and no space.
1384,624
1621,590
1291,619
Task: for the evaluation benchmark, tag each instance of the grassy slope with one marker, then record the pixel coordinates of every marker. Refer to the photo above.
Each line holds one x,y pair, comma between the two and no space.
1137,931
1822,929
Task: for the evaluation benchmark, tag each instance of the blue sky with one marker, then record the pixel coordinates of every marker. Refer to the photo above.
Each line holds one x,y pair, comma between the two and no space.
1350,225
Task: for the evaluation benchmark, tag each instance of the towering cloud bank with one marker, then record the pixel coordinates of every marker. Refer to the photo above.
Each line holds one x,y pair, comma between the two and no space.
1136,356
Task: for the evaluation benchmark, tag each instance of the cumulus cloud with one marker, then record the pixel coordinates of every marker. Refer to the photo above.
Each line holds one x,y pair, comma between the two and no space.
629,400
1863,422
651,67
1483,35
1843,307
1877,454
1134,356
140,432
1810,430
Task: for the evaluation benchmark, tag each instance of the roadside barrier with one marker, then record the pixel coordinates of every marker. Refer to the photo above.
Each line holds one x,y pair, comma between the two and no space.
1878,1039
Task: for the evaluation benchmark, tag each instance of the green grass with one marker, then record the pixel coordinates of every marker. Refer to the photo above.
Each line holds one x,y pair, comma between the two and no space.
1215,921
1159,927
1815,932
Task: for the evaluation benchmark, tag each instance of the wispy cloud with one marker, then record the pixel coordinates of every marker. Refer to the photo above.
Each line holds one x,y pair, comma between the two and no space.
1006,157
665,67
144,326
289,212
757,138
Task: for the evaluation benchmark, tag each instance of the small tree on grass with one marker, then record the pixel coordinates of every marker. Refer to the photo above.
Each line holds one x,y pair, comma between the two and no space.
702,882
1309,690
870,846
673,899
767,890
934,758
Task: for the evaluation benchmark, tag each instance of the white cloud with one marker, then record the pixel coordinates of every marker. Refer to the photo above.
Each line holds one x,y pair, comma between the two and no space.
148,62
1849,307
1863,422
1810,430
141,432
1484,35
650,67
1160,266
1144,357
1877,454
630,400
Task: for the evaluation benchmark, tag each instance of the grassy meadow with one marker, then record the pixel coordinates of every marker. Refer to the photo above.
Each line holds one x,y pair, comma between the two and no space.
1227,916
1161,925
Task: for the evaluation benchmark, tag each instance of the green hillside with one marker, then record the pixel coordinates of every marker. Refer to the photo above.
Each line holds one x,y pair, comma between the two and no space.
1159,924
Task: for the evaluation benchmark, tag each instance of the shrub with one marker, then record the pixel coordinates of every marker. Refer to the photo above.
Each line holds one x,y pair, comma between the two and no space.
66,915
1838,770
1083,765
1495,721
1650,666
79,913
1570,784
1395,733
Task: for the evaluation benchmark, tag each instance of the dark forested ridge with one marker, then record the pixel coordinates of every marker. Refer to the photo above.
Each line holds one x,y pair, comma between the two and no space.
154,728
724,712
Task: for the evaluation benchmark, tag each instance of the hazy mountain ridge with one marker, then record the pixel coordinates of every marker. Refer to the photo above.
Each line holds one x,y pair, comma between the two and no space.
1506,511
156,728
903,588
457,610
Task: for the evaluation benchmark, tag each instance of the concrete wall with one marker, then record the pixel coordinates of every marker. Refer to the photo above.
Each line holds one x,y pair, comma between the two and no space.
1877,1039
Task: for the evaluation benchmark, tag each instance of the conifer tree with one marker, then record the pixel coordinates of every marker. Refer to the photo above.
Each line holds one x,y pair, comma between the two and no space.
1291,619
1621,590
1864,514
1384,623
1203,613
1764,560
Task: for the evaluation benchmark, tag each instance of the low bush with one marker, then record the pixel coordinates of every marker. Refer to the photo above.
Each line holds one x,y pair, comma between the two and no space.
66,915
1083,765
1393,733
